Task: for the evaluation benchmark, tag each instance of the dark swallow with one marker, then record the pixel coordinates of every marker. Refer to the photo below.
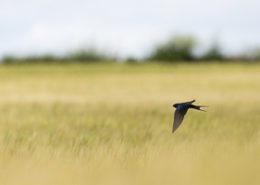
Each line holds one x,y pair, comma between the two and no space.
181,110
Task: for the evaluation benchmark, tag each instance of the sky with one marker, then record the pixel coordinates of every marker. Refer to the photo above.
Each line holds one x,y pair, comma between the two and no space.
125,27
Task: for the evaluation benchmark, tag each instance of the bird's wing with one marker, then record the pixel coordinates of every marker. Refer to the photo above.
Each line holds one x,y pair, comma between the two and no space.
188,102
191,101
178,118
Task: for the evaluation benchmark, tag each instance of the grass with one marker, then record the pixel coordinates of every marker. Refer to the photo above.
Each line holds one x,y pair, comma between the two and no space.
111,124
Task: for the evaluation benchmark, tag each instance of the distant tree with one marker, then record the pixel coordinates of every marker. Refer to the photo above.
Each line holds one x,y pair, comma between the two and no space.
82,55
89,55
7,59
214,53
254,54
131,60
49,58
175,49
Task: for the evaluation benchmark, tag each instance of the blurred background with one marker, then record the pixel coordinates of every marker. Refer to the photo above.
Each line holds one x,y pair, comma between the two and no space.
165,30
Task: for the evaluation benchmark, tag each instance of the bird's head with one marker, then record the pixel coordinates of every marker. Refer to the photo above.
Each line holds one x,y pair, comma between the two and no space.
175,105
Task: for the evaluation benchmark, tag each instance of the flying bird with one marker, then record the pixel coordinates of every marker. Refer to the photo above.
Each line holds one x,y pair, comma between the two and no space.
181,110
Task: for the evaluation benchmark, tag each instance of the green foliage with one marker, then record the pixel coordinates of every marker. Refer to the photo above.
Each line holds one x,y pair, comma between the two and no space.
175,49
254,54
214,53
9,59
45,58
85,55
178,48
131,60
89,55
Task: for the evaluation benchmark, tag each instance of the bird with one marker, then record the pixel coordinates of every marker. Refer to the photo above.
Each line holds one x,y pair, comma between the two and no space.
181,110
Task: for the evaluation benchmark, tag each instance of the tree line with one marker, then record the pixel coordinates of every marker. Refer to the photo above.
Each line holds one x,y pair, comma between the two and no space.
174,49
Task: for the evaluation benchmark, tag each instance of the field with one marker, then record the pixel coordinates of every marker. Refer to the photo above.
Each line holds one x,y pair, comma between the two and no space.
111,124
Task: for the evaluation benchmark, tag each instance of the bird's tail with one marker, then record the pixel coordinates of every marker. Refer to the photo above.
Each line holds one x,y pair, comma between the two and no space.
198,107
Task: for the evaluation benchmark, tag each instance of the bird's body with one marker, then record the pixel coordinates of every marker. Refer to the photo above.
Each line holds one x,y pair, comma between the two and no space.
181,110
